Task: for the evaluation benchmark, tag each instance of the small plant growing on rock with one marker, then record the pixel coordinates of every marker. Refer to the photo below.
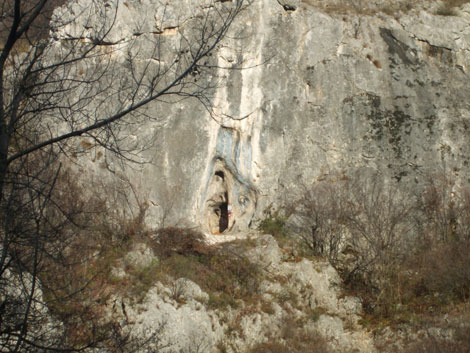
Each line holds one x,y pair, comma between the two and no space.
178,290
274,224
293,339
446,11
183,241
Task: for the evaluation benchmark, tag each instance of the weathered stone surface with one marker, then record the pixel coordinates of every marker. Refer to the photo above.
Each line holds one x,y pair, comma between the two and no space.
320,92
307,287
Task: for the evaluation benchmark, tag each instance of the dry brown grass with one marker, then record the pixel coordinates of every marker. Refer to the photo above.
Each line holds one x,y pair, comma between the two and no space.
293,338
227,276
183,241
458,323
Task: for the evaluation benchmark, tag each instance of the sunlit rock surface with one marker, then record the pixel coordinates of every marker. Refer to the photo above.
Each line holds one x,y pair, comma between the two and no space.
313,92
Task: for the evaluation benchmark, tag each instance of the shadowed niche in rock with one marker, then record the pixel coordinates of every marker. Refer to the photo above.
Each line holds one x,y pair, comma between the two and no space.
223,218
217,203
221,209
229,203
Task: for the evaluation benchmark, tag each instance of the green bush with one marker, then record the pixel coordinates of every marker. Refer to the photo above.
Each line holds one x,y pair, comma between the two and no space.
274,224
446,11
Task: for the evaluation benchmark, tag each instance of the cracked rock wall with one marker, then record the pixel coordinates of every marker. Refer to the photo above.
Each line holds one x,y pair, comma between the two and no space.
320,92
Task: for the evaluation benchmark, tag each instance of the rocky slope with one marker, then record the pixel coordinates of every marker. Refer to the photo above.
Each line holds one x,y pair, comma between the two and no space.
296,296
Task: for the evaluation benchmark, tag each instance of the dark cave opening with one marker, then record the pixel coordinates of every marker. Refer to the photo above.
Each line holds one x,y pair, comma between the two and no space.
220,174
223,218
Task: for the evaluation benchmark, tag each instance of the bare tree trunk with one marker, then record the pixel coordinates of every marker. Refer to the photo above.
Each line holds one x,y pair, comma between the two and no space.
55,90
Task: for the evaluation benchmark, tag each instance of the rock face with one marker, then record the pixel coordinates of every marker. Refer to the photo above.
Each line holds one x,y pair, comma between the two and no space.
309,297
319,92
302,90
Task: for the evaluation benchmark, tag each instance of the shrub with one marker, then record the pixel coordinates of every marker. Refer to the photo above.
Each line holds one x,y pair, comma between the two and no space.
293,339
402,253
225,274
446,11
78,282
448,7
442,269
460,343
274,224
369,219
319,218
183,241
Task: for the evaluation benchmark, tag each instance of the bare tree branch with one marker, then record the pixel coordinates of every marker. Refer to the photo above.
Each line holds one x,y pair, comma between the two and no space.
79,76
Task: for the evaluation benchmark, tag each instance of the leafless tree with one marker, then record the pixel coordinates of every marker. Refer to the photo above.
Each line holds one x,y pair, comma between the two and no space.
79,76
319,218
380,228
363,215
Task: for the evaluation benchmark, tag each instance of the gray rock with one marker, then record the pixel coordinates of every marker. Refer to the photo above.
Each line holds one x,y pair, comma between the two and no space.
140,255
314,92
320,92
266,253
292,290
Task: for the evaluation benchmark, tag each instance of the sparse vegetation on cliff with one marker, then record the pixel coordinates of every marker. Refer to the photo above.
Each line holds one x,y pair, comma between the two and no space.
405,255
55,80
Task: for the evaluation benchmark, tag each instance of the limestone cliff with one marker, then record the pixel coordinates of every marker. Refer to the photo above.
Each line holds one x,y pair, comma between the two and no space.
316,88
301,90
